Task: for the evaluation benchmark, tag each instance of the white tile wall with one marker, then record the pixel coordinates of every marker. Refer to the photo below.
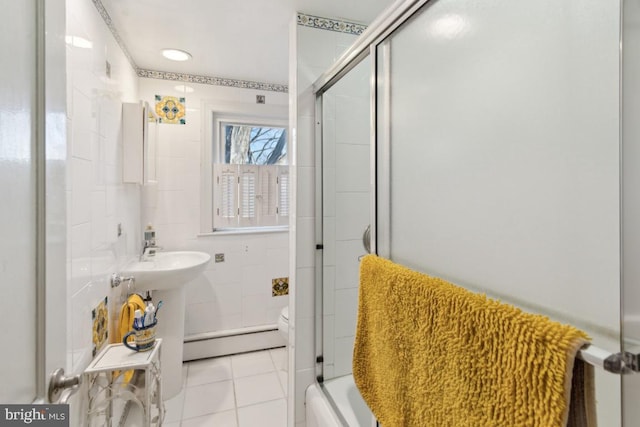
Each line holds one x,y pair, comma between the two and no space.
236,293
97,199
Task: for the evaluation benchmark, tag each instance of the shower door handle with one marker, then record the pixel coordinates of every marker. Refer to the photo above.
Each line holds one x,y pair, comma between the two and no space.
366,239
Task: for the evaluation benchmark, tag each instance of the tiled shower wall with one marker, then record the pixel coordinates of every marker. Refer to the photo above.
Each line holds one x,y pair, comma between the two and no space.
235,293
97,201
316,50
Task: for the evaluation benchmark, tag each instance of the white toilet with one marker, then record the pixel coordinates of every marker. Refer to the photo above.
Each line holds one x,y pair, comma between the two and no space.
283,324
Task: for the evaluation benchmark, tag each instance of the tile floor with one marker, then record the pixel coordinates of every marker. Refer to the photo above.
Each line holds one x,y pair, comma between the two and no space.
244,390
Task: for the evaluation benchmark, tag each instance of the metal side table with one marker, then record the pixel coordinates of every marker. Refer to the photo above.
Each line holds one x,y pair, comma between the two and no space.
118,377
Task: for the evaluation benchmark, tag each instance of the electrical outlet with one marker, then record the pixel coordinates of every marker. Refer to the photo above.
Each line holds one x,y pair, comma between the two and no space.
219,257
261,99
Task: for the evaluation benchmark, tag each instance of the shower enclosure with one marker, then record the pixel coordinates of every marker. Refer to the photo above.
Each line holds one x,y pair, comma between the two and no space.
491,145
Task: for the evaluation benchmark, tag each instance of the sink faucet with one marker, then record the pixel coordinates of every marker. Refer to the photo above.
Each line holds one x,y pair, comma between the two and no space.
149,247
149,250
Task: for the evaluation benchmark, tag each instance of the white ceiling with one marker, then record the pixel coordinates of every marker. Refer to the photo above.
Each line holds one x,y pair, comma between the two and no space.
235,39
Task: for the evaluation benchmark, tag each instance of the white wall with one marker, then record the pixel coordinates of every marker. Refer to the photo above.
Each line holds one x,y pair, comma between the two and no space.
236,293
97,201
96,198
316,50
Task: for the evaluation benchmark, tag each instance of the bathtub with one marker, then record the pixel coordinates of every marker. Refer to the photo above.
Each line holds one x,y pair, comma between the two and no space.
340,393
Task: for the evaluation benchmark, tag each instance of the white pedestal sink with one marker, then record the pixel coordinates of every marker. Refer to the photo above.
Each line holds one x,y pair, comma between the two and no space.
166,274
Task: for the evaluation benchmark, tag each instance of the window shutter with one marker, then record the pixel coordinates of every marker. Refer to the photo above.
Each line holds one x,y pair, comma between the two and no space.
268,195
283,186
225,210
250,195
248,183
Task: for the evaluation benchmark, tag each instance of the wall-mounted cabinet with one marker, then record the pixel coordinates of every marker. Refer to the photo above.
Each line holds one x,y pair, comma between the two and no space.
139,140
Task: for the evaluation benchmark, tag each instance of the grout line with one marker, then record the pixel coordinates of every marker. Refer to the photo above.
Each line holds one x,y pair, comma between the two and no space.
184,393
271,352
235,397
263,402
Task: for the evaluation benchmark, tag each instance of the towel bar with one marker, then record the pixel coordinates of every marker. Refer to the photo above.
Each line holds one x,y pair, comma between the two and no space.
617,363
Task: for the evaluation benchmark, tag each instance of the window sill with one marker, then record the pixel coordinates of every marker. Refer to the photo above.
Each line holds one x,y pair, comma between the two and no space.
246,230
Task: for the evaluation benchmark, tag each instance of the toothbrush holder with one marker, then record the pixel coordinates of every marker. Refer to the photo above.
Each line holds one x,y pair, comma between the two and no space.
144,339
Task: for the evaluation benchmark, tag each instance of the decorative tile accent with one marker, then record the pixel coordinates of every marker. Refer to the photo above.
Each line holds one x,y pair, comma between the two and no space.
170,110
192,78
280,287
100,317
330,24
217,81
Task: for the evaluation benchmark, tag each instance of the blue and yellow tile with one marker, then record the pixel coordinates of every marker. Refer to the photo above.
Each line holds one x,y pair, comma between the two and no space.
170,110
100,317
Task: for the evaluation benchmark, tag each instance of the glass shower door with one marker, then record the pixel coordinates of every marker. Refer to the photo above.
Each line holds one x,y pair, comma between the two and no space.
346,212
500,158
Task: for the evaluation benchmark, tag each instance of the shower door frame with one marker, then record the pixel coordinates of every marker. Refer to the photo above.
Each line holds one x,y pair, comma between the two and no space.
354,61
365,46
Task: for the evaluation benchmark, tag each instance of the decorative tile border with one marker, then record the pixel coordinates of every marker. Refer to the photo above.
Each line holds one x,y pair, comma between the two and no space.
217,81
191,78
330,24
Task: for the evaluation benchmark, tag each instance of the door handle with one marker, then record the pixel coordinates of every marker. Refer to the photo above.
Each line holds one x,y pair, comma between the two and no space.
61,387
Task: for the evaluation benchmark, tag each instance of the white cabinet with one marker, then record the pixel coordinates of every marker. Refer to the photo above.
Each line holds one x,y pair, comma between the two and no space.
139,140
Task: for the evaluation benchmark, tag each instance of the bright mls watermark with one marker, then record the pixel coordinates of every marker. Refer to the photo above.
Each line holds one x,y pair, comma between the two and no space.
34,415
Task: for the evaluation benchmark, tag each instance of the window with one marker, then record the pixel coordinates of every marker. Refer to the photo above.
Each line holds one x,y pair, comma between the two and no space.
254,144
251,178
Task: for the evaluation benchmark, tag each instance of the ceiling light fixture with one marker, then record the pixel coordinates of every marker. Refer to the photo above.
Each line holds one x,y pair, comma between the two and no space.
176,54
184,88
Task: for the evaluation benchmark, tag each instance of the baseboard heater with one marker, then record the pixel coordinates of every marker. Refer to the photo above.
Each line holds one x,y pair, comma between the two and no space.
233,341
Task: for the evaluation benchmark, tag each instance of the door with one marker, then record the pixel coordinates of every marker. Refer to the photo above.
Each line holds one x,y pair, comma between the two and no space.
32,218
631,205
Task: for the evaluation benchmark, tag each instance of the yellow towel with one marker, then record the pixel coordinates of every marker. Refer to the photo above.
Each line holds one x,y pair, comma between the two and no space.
134,302
127,314
428,353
